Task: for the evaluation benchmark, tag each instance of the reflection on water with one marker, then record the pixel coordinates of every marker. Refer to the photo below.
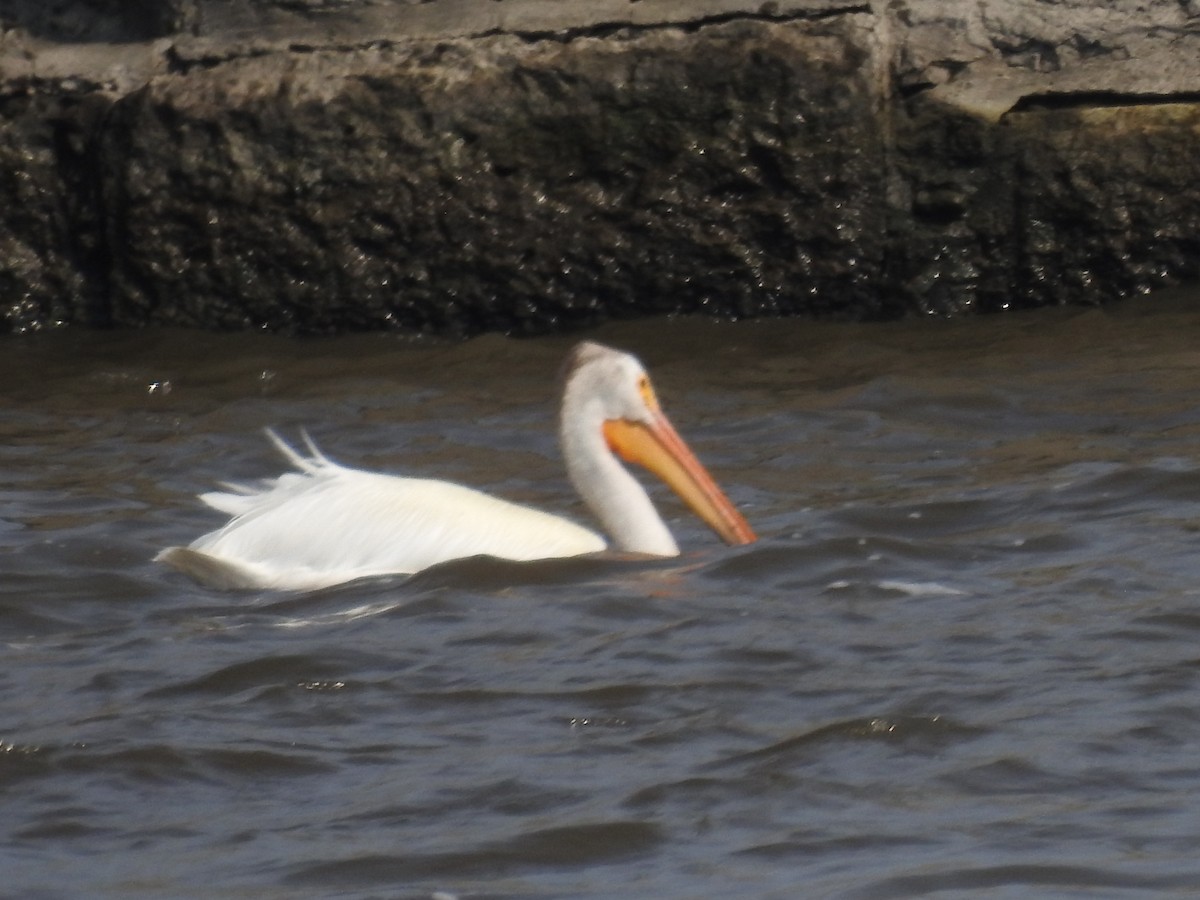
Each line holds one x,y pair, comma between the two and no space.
961,658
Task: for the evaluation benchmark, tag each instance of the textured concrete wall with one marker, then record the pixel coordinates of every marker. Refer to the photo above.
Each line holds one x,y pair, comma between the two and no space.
465,165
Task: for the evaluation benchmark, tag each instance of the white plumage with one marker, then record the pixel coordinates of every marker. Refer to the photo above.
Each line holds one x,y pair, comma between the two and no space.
325,523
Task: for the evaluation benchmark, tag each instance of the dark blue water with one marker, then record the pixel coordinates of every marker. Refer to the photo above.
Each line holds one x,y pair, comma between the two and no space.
964,659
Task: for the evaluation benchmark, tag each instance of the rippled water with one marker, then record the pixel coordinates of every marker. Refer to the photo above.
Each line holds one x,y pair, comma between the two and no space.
963,659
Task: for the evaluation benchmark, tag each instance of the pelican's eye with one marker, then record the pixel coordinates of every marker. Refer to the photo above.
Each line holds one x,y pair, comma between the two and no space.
647,393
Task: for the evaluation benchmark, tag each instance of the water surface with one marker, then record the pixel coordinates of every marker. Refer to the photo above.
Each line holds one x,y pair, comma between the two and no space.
962,660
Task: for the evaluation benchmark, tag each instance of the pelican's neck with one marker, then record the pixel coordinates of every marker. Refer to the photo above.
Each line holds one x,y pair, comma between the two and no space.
612,494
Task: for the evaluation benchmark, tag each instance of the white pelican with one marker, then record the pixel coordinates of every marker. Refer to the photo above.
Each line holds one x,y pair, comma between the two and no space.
326,524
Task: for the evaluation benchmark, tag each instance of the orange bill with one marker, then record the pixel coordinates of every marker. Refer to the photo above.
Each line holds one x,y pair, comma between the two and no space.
659,448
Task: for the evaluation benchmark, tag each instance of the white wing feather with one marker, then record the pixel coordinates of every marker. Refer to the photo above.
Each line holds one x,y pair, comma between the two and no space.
326,524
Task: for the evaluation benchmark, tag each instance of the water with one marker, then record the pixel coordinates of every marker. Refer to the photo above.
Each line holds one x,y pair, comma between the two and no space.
962,660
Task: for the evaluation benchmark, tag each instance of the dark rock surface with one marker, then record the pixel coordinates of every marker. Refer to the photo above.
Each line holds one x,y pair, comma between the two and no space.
466,165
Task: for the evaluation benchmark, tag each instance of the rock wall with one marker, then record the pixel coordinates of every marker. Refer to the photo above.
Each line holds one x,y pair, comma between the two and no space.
468,165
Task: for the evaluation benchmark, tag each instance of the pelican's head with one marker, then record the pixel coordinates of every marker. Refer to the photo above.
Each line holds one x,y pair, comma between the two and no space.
608,402
601,384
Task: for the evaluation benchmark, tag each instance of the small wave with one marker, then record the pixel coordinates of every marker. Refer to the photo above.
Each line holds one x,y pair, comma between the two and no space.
565,848
933,728
921,588
1022,877
908,588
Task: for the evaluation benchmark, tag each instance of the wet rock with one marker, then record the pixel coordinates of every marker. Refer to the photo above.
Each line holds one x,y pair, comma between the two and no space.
469,165
1045,152
502,183
53,267
1106,199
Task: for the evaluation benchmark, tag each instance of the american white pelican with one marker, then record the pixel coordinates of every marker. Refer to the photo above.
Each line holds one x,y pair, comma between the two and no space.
326,524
